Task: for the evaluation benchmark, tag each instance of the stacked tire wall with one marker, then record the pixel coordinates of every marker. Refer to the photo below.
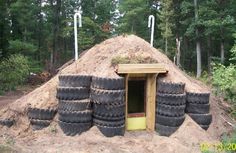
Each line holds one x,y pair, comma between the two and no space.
198,108
74,105
108,97
170,107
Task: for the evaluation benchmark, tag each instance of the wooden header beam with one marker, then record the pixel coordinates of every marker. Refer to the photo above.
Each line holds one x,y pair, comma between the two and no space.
140,68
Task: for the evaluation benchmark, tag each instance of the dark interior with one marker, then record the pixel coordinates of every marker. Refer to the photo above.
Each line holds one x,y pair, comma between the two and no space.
136,96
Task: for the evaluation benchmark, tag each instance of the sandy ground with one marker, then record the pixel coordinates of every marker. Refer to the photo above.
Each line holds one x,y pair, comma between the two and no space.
187,139
12,96
53,140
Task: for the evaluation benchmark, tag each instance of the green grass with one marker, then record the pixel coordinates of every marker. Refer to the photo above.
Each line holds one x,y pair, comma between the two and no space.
132,60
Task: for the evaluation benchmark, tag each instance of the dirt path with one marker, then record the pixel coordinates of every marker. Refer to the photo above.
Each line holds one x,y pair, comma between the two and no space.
11,96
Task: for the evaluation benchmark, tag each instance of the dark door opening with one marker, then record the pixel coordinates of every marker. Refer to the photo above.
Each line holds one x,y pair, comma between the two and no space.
136,98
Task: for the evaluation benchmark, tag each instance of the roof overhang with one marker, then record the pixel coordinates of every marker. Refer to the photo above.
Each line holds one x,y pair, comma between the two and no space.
141,68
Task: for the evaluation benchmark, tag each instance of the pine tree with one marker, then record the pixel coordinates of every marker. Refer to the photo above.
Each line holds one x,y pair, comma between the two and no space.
134,17
166,21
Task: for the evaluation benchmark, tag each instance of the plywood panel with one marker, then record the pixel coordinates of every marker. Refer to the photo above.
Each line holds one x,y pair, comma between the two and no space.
136,123
141,68
151,101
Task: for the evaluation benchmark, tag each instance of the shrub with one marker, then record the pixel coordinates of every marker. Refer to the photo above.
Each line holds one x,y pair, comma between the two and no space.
13,72
224,80
229,142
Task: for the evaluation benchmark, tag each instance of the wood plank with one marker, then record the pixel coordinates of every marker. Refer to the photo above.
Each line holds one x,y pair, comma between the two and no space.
139,75
141,68
126,100
151,101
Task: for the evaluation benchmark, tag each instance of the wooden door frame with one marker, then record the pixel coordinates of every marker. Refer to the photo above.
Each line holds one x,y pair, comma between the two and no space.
150,102
150,71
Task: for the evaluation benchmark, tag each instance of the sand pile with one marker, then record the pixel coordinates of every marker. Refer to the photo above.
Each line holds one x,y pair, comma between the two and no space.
97,62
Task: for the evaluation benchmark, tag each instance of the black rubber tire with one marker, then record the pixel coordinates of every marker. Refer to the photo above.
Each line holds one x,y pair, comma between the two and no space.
201,119
172,111
197,108
108,123
74,105
41,114
109,117
204,127
107,96
163,130
170,121
109,109
199,98
39,124
170,87
75,80
112,131
72,93
71,129
171,99
7,122
76,116
108,83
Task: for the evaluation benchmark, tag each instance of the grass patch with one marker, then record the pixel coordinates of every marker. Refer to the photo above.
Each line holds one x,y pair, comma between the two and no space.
53,129
132,60
227,145
6,149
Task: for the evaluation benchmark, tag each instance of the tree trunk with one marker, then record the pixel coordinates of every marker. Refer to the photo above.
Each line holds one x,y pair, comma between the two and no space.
222,52
166,42
198,45
166,46
56,30
40,24
178,52
199,59
209,55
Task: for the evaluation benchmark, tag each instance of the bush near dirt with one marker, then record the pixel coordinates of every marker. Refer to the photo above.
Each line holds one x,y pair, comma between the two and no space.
13,72
224,80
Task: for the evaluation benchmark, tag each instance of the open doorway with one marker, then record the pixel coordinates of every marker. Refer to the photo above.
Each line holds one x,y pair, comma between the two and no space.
136,98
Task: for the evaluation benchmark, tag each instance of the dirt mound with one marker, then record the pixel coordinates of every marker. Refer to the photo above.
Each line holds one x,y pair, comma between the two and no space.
97,62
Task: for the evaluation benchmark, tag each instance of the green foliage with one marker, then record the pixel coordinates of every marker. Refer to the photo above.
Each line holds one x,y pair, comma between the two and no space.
90,34
34,65
224,80
166,17
135,17
13,72
229,141
20,47
233,51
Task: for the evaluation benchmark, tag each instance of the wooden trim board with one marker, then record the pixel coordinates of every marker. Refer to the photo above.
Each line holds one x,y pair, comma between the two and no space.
140,68
126,99
151,101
